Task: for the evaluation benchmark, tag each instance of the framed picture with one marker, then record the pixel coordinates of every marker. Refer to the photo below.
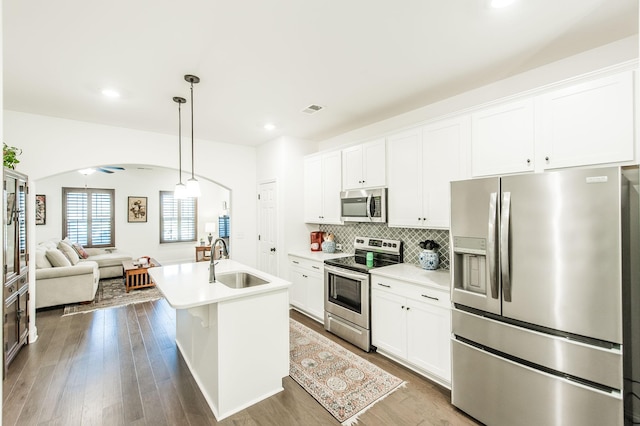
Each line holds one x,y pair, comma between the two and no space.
41,209
137,209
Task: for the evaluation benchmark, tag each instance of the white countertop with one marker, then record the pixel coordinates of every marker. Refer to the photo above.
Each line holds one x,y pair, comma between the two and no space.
318,255
187,285
440,278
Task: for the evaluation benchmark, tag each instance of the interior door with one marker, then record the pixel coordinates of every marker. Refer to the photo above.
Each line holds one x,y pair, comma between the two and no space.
562,239
268,232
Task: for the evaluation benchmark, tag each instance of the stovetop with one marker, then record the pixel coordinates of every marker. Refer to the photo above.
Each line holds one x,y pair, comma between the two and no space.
385,253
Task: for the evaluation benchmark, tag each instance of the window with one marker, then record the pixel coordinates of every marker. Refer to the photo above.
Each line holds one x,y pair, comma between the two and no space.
177,218
87,216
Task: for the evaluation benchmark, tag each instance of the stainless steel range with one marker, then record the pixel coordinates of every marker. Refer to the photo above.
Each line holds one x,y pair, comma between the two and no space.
347,289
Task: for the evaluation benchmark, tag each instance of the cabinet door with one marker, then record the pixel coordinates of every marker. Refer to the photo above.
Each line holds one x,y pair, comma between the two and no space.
374,164
298,289
428,335
23,314
502,139
588,123
352,168
388,322
10,329
405,179
331,187
315,295
443,146
313,189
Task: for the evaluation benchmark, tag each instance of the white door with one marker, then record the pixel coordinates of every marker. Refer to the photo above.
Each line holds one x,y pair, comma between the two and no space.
268,228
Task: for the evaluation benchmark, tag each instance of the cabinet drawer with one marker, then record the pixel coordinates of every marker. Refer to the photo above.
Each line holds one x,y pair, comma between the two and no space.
13,286
412,291
301,262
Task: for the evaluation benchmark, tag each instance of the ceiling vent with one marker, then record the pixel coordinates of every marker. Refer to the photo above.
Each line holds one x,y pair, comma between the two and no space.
312,109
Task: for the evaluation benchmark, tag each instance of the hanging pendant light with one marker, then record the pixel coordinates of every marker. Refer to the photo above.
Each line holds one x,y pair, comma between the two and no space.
193,186
180,192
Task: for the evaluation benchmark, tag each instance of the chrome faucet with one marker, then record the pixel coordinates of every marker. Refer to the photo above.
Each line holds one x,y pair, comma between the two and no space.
223,255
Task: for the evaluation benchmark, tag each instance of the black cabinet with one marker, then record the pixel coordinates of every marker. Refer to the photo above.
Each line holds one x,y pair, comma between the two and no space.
16,265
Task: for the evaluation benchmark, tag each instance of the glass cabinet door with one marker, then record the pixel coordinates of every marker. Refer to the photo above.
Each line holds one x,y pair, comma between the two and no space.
10,187
21,217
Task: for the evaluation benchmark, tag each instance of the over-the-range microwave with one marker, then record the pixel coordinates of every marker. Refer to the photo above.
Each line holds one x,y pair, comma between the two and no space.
364,205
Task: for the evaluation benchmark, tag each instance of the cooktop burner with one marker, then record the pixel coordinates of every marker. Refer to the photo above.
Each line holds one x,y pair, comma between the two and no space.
385,252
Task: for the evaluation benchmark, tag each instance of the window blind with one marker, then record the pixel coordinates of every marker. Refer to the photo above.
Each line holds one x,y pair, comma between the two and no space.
89,216
178,218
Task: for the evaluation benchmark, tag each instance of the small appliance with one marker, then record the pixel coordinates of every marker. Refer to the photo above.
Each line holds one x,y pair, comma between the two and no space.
317,237
364,205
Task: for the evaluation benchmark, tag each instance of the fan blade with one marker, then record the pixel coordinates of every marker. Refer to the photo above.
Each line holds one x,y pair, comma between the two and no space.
100,169
113,167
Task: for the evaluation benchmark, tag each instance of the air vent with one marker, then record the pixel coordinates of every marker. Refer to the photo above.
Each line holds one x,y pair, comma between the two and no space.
312,109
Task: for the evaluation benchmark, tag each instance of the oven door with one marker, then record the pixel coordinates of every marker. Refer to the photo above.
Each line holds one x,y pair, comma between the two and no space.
346,294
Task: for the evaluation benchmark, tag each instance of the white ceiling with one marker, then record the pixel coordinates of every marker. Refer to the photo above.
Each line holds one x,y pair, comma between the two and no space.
266,60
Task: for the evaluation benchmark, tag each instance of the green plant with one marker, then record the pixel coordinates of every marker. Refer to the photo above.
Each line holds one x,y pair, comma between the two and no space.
10,155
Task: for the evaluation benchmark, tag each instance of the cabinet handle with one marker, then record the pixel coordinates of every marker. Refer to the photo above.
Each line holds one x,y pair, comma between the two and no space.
384,285
528,161
296,262
430,297
315,267
402,307
304,276
546,158
408,308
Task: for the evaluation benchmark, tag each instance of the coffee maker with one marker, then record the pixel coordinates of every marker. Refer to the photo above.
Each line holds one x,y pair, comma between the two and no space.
317,237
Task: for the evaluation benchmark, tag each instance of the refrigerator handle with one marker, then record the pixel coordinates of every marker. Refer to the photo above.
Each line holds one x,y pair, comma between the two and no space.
492,243
505,271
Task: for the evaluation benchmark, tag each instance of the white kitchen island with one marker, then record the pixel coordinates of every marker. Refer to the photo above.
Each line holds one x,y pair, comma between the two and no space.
235,341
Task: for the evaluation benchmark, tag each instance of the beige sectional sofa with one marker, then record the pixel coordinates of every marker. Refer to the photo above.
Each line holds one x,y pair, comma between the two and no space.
63,276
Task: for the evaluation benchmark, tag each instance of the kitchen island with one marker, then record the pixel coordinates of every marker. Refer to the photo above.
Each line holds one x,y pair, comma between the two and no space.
235,341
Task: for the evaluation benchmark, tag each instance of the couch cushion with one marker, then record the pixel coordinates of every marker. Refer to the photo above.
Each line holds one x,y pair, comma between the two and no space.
110,259
41,259
69,251
57,258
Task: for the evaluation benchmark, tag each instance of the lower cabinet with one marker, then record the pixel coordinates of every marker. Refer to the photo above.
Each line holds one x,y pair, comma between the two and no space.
412,324
307,289
16,317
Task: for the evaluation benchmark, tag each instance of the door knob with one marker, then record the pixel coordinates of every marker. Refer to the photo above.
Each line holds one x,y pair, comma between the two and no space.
273,249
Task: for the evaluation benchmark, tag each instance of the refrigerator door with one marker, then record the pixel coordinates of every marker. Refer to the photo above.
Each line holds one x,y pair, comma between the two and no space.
561,251
474,229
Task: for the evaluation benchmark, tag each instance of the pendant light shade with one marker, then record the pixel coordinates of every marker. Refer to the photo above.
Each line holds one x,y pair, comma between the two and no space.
180,191
193,186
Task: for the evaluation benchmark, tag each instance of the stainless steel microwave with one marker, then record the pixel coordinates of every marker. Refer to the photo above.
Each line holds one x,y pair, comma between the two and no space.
364,205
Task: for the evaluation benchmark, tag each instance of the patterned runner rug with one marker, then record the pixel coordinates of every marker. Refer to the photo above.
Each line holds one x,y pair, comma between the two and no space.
111,293
342,382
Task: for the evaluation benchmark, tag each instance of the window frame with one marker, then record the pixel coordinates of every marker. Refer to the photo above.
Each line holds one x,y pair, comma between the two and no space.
90,214
179,219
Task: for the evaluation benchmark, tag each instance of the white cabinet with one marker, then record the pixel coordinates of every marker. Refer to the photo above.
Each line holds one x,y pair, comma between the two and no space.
588,123
421,164
322,185
307,289
364,166
503,139
412,324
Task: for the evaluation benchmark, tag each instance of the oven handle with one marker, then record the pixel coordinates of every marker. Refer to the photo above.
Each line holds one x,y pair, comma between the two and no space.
345,273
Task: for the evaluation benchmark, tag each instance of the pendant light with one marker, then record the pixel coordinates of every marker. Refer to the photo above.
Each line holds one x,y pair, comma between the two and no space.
180,192
193,186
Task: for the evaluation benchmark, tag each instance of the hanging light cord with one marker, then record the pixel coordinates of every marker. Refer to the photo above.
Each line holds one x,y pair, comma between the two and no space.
192,155
179,101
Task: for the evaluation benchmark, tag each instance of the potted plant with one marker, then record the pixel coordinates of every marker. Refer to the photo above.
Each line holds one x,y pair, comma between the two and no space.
10,156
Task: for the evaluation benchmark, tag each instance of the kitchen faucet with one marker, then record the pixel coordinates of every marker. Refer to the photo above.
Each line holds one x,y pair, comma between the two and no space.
212,265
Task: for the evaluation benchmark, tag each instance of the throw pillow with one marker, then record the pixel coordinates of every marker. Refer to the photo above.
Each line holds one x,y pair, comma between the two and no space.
41,260
57,258
80,250
69,251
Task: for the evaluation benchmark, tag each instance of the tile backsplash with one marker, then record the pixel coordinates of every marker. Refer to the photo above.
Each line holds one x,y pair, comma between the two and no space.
345,234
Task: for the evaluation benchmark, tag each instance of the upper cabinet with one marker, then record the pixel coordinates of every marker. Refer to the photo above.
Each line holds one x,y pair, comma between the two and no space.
322,185
503,139
588,123
422,163
364,166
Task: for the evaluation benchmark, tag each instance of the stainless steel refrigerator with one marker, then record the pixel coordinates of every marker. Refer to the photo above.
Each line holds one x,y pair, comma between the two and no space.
544,280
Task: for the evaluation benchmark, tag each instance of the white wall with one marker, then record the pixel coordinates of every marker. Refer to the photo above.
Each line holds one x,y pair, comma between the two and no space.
583,63
282,160
140,238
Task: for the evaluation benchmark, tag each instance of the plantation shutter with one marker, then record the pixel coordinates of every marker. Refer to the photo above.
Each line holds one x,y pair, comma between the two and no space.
178,219
89,216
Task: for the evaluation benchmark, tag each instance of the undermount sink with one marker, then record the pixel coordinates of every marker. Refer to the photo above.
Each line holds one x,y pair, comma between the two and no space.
240,280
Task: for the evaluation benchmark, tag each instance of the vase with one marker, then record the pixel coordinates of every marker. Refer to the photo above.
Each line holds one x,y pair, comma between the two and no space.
329,246
429,260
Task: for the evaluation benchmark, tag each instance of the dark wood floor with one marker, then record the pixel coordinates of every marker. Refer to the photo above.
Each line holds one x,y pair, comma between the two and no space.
120,366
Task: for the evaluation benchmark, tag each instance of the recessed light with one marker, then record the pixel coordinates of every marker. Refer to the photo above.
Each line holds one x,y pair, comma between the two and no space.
110,93
269,127
497,4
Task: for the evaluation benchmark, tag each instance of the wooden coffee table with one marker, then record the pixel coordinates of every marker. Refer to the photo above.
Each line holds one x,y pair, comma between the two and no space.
136,276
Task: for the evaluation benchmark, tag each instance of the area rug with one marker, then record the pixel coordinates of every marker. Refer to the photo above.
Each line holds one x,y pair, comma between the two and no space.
111,293
345,384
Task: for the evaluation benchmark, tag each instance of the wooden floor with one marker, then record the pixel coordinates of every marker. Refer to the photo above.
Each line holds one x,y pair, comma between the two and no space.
120,366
